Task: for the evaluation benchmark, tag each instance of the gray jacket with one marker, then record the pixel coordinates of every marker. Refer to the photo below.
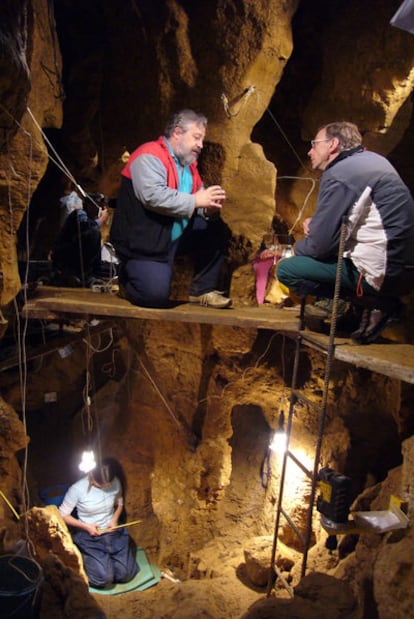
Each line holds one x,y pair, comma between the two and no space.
364,187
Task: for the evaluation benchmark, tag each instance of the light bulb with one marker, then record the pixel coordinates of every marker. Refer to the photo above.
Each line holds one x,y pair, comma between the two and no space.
279,442
88,462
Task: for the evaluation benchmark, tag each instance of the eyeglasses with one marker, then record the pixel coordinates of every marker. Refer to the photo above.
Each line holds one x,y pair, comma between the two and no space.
313,142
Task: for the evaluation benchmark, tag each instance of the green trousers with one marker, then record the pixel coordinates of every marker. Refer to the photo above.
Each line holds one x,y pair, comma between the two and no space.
306,276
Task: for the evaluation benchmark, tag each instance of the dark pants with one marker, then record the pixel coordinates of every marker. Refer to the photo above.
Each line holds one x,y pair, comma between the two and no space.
306,276
107,558
148,282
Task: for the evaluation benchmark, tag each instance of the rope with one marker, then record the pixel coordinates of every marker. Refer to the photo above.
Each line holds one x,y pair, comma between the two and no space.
154,384
300,178
288,142
59,162
56,159
22,332
308,195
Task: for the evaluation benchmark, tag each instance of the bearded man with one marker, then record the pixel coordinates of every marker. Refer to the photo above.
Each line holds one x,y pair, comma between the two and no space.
164,210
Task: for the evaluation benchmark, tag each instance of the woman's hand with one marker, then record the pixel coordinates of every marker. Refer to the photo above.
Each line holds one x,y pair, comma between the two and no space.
113,523
92,529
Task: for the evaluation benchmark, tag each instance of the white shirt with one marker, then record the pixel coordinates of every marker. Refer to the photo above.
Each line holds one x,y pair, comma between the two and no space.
94,505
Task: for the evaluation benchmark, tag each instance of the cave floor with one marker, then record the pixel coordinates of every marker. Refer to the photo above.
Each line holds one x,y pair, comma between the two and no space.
386,357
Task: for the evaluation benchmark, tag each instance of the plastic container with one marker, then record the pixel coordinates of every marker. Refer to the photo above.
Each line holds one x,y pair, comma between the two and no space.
21,579
53,495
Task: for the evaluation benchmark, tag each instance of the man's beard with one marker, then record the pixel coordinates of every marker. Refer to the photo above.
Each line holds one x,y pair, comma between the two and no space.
187,158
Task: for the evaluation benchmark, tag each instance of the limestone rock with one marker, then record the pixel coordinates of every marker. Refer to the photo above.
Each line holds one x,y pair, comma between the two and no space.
257,555
394,577
50,536
66,594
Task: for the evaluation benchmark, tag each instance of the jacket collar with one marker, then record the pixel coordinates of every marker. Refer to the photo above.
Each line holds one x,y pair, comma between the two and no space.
345,154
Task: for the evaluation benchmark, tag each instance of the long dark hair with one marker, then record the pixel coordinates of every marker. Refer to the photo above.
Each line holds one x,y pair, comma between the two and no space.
103,473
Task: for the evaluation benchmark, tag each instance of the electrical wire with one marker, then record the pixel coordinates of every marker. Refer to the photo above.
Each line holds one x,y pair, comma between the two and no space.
288,142
58,161
22,333
157,389
308,195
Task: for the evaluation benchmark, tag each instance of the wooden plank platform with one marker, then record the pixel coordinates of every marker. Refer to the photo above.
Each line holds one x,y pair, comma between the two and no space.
386,358
52,303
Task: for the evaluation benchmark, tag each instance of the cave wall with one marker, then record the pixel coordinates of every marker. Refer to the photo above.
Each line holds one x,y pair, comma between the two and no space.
31,64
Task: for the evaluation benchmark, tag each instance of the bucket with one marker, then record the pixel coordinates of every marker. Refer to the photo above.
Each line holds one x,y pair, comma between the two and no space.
53,495
20,583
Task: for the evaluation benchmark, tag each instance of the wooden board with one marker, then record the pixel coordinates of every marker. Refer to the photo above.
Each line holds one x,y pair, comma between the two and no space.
389,358
50,303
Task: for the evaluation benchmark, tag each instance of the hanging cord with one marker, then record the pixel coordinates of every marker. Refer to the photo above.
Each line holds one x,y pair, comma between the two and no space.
58,161
162,398
245,372
288,142
62,166
110,368
22,334
308,195
88,416
87,421
106,347
296,154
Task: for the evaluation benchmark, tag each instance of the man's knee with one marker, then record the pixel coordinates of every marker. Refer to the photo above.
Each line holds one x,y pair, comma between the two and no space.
285,273
147,284
146,296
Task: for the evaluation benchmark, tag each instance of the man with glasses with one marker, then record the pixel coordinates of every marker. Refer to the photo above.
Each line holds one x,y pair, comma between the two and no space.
378,262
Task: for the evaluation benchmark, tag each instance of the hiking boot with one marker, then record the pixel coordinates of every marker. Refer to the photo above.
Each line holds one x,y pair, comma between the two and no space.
214,298
358,333
322,308
373,323
318,315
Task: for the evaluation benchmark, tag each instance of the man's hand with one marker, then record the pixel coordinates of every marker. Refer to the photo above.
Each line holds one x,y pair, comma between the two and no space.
211,198
306,225
103,217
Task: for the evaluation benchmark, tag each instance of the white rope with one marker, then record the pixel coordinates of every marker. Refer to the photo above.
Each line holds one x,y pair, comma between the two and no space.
308,195
56,159
59,162
288,142
21,335
154,384
107,347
